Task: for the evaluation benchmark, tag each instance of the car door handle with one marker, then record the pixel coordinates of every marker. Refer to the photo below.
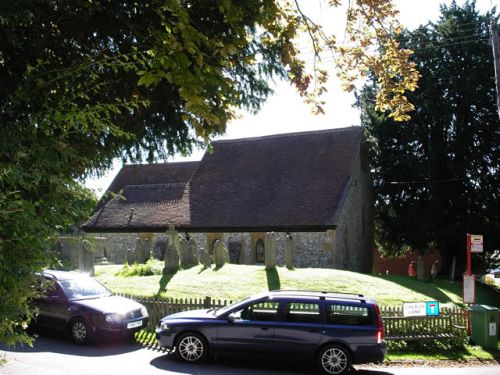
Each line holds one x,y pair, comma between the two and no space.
264,328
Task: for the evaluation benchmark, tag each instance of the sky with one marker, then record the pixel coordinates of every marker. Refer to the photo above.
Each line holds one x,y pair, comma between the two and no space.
285,111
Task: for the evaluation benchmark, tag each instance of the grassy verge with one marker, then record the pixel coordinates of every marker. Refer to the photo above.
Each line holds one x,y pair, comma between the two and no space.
464,354
234,282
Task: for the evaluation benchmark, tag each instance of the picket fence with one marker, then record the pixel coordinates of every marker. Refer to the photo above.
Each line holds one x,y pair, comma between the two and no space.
395,324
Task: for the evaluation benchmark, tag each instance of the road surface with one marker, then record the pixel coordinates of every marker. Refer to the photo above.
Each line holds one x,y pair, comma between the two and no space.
56,356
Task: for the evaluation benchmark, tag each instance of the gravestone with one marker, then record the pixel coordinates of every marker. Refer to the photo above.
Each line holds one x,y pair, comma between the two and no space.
172,251
171,260
184,254
205,258
129,256
270,251
221,254
289,251
142,250
192,253
86,260
159,248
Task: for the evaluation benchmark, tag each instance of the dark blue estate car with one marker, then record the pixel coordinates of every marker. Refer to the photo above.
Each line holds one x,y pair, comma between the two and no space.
337,330
77,303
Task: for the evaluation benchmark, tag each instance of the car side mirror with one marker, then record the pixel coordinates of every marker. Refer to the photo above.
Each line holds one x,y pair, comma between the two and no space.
231,318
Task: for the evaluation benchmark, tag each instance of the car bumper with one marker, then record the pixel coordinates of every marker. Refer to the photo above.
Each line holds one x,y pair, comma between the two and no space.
165,338
123,329
370,354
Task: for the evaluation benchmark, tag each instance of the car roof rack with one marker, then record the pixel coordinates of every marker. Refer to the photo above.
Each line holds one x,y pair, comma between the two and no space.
324,293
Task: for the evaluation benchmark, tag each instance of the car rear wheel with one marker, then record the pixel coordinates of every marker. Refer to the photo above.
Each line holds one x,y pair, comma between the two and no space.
334,360
191,347
80,332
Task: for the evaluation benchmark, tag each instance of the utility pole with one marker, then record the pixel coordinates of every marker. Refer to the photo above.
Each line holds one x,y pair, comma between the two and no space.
495,42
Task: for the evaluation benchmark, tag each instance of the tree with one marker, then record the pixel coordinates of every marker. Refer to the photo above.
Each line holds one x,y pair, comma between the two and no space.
86,81
437,175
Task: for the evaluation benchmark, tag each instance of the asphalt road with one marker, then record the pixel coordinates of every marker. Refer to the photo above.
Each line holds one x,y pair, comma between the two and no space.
56,356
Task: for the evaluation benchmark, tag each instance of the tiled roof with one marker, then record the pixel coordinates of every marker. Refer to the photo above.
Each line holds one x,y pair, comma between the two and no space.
294,181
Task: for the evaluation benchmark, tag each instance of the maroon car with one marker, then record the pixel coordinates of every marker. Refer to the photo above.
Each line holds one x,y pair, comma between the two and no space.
77,303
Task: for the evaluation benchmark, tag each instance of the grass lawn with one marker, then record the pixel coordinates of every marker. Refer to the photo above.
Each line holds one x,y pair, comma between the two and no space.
233,282
466,353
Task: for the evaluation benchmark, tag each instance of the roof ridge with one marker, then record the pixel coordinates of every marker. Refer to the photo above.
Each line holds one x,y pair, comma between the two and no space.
289,135
165,184
176,163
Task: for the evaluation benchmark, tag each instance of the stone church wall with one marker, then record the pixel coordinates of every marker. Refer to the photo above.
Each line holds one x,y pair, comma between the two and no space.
309,246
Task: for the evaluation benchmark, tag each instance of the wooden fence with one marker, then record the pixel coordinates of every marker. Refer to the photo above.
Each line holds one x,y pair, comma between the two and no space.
396,325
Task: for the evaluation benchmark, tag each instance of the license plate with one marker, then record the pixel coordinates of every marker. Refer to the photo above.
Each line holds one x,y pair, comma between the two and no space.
134,324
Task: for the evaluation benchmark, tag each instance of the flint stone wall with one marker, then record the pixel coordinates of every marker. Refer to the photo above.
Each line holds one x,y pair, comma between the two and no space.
309,247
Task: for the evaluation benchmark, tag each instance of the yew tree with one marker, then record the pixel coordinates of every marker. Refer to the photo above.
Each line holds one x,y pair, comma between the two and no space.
437,175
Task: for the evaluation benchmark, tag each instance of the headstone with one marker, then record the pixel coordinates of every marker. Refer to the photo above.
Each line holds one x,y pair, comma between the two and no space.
205,258
130,256
172,251
159,248
86,261
289,251
183,253
142,250
171,260
192,253
270,251
221,254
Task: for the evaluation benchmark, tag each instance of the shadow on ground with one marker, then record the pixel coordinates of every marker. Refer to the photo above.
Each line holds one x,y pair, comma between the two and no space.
49,341
250,366
273,279
165,279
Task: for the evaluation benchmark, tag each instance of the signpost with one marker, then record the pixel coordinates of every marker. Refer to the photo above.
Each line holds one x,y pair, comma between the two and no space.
474,245
469,289
430,308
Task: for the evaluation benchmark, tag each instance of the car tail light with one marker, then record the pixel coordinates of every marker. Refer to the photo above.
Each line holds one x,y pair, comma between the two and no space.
380,326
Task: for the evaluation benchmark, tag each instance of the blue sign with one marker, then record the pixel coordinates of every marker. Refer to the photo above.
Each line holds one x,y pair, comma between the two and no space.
432,308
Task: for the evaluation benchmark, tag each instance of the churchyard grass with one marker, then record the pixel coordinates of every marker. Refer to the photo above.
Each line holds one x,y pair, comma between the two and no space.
232,282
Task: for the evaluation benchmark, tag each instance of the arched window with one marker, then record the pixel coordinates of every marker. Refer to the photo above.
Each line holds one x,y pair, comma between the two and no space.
260,254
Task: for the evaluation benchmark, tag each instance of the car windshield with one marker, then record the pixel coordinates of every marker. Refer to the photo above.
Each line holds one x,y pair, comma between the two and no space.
83,287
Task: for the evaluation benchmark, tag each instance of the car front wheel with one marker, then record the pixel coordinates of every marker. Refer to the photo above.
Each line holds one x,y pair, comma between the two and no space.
191,347
334,360
79,331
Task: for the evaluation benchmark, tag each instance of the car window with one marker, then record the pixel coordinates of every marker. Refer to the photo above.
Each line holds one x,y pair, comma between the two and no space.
301,312
262,311
83,288
348,315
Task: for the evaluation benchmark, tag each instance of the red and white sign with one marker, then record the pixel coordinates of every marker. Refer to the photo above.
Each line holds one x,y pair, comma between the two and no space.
476,243
470,289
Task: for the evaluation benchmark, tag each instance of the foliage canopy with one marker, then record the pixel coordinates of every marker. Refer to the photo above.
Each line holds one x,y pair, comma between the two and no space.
86,81
437,175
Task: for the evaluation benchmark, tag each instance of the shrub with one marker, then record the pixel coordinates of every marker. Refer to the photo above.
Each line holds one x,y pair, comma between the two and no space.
151,267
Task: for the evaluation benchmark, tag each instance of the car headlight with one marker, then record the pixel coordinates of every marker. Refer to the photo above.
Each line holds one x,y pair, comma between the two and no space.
163,326
144,312
113,318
